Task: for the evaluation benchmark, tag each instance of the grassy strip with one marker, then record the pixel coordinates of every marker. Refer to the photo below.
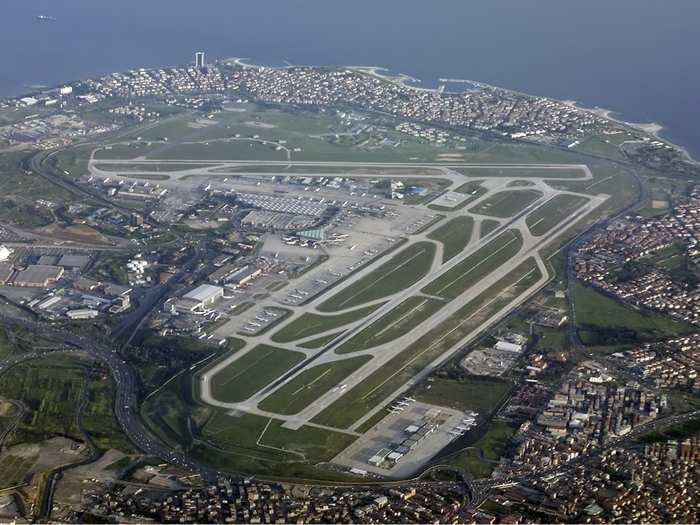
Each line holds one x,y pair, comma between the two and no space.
416,357
506,203
404,269
454,235
553,212
309,324
251,372
487,226
321,341
392,325
257,445
455,281
311,384
480,394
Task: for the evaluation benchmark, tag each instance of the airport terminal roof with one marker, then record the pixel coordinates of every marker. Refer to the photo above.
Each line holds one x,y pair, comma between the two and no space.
204,292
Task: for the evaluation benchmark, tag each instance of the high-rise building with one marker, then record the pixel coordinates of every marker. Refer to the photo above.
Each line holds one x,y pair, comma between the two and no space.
199,59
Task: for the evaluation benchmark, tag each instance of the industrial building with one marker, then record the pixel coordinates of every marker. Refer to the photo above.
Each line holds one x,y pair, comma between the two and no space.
74,261
38,276
84,313
198,299
245,274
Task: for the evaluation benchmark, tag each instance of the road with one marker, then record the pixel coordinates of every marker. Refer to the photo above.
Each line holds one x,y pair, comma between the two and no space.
126,388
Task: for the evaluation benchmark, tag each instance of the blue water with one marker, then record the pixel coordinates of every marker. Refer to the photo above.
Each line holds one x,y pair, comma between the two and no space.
636,57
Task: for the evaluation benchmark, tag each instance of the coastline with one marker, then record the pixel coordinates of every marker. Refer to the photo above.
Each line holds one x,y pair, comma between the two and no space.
652,129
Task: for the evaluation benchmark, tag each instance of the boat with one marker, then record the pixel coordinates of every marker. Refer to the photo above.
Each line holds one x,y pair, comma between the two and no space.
45,18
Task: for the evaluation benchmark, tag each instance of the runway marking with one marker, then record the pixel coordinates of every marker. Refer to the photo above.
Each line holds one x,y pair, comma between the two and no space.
460,276
247,368
400,320
384,276
443,337
302,387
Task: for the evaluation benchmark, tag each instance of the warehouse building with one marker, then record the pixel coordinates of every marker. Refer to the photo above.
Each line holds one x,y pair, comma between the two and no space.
73,261
83,313
244,275
199,299
38,276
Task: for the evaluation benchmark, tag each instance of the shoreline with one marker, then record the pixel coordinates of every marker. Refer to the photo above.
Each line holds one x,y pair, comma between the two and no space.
652,129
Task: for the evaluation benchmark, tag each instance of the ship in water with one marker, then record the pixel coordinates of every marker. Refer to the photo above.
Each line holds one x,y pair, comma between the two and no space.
45,18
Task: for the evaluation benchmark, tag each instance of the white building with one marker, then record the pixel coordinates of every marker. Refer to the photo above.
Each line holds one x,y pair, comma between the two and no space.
508,347
4,253
84,313
199,299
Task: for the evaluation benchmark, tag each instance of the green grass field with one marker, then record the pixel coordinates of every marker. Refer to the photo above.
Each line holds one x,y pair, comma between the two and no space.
602,321
401,271
480,460
51,389
487,226
553,212
455,281
252,371
506,204
524,173
256,445
417,356
310,324
454,235
482,395
311,384
321,341
392,325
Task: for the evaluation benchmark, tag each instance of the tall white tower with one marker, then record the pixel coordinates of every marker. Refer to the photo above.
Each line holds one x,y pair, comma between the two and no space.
199,59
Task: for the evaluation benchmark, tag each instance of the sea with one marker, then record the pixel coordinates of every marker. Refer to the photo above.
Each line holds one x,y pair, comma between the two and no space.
637,58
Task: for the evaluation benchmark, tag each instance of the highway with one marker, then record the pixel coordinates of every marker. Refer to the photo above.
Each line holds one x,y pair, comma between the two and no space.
126,389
